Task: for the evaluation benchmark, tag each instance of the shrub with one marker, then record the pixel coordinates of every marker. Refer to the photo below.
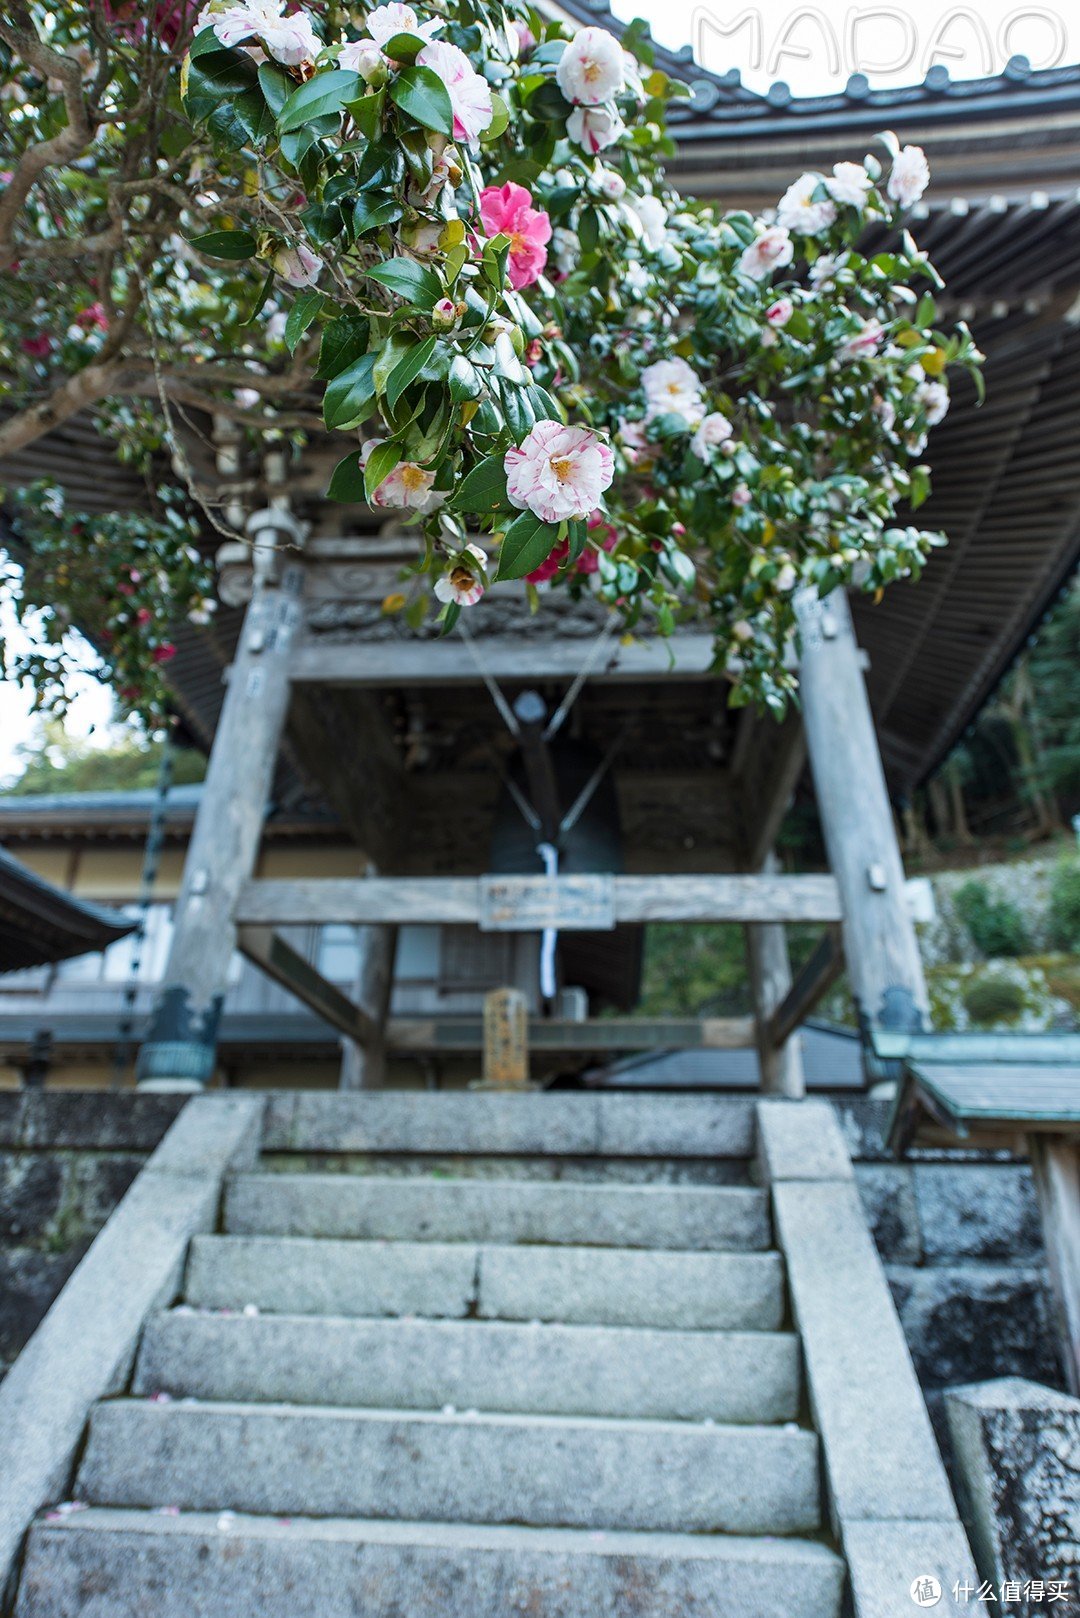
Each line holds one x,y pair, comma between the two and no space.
1065,906
996,926
994,1000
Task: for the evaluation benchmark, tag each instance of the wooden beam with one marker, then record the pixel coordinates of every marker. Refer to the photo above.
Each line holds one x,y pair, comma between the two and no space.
456,900
277,958
767,956
421,1035
1055,1165
815,980
324,661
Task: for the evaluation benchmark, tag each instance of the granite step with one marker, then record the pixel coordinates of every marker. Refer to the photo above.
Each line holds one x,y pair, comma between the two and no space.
577,1285
537,1369
128,1564
538,1471
700,1218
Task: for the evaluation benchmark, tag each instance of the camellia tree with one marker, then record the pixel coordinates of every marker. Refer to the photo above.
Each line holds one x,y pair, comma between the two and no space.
455,223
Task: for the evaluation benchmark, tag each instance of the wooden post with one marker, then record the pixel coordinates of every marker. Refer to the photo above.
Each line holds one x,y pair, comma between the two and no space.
770,981
181,1044
1055,1165
363,1067
884,967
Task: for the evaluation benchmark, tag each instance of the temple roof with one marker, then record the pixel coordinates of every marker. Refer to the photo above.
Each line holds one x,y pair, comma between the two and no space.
40,923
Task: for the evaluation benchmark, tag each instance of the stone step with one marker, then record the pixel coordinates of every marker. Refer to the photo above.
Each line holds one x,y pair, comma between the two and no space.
558,1124
126,1564
584,1285
540,1471
429,1364
690,1217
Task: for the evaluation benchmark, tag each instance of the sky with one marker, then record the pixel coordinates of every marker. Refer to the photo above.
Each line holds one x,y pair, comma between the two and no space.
90,714
812,47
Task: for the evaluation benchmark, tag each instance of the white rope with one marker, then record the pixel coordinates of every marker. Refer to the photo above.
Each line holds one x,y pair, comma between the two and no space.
555,724
549,938
485,674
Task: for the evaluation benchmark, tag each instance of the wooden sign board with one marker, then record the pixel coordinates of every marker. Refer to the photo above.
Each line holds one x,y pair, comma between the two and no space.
526,904
506,1040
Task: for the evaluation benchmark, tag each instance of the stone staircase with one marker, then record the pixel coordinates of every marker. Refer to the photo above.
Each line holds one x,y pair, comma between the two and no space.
459,1357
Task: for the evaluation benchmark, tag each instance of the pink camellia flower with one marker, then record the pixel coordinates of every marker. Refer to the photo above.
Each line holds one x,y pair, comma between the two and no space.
591,68
558,471
909,177
385,22
144,615
299,266
164,653
470,95
37,347
290,40
6,176
780,312
594,128
741,495
93,315
633,440
445,315
715,429
507,210
771,251
526,39
407,485
462,585
864,343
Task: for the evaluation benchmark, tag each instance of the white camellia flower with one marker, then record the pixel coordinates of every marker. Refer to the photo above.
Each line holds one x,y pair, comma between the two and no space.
771,251
797,210
742,631
559,472
299,266
787,578
823,269
591,68
610,183
715,429
363,56
934,398
673,388
386,22
462,585
849,184
653,218
909,176
594,129
292,40
636,280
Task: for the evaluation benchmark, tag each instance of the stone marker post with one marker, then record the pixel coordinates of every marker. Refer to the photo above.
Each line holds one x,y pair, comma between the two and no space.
506,1040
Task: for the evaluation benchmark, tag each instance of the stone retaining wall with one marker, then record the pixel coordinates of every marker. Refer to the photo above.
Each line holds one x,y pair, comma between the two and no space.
66,1159
959,1235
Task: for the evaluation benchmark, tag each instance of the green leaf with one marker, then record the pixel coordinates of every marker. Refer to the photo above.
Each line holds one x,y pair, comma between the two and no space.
261,299
465,381
381,462
344,340
404,47
484,489
235,244
324,94
500,117
367,111
408,369
424,97
372,213
416,283
348,398
301,315
347,481
276,86
527,542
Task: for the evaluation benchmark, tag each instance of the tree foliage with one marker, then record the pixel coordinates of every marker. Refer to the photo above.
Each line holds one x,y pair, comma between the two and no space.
456,226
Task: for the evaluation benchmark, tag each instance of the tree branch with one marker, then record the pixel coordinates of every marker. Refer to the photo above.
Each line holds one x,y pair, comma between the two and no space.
87,387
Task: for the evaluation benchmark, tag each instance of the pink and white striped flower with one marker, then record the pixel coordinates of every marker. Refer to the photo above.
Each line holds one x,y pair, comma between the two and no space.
298,265
779,313
291,40
594,128
386,22
462,584
470,95
559,472
864,343
407,486
772,249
